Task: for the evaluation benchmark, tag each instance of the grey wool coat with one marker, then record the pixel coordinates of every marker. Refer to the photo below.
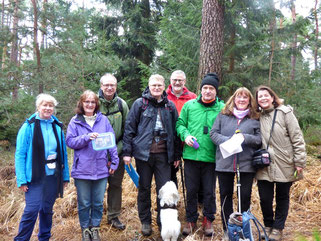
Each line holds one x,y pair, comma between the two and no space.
223,129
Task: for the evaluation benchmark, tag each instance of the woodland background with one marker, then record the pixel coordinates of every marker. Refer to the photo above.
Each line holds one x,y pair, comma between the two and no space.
54,47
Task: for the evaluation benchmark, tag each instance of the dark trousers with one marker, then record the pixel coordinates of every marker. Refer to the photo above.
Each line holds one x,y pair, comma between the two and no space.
226,183
40,199
200,173
114,191
158,166
282,197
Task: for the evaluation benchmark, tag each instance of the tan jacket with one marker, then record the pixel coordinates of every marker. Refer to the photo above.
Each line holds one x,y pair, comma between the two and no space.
287,146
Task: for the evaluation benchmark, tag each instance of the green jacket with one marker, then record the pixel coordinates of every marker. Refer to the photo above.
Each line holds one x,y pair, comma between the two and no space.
195,119
115,117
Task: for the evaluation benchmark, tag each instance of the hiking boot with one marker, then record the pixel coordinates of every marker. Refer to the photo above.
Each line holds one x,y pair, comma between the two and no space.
276,235
86,234
95,234
188,228
207,227
146,229
268,231
116,223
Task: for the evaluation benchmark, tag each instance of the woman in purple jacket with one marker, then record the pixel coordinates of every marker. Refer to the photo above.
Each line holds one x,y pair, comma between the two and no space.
91,167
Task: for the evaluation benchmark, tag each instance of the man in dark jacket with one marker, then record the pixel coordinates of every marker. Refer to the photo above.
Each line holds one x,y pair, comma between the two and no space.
150,138
116,109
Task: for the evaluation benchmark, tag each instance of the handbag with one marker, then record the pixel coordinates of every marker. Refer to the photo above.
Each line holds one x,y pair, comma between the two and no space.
261,157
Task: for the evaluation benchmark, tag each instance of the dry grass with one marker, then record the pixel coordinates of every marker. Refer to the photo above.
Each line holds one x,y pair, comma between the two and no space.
304,214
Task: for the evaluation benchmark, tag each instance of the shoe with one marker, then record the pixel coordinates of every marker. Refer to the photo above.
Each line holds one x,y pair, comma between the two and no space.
188,228
146,229
276,235
207,227
268,231
86,234
95,234
116,223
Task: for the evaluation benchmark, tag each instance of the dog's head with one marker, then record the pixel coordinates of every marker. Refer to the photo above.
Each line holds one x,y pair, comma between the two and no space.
168,194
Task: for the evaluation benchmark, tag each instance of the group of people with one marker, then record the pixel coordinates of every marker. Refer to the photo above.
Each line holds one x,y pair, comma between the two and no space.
161,129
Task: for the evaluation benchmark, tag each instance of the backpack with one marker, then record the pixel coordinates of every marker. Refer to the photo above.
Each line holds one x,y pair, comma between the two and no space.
239,227
120,108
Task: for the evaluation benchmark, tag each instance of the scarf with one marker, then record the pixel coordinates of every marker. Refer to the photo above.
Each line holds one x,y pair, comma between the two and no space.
240,114
38,157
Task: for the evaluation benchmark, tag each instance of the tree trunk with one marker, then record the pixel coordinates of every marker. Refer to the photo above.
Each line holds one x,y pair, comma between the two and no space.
316,35
294,44
35,41
232,55
272,31
44,25
14,47
211,42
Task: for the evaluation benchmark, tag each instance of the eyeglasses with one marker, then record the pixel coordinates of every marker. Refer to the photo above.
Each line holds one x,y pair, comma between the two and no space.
90,102
109,86
177,80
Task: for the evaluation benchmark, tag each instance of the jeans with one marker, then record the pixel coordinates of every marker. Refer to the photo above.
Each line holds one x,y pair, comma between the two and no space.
114,191
282,198
226,183
90,196
157,165
198,173
40,199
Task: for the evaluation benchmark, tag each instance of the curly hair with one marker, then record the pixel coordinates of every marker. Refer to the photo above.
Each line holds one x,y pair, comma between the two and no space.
230,104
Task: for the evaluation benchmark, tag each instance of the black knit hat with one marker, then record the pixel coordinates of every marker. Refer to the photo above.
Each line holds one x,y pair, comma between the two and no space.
211,79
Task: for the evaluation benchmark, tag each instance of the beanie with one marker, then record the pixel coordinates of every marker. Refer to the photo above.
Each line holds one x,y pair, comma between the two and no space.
211,79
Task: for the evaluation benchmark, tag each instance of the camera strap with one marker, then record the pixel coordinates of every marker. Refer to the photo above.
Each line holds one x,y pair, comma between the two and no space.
273,122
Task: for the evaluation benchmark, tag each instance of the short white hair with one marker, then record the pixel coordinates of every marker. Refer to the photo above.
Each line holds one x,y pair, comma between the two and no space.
178,72
157,77
45,98
107,76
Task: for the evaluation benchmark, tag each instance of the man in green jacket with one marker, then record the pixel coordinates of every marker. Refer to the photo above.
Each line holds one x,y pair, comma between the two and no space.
193,125
116,109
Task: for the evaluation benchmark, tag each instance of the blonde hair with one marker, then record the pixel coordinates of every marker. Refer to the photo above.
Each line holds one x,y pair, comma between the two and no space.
230,104
45,98
157,77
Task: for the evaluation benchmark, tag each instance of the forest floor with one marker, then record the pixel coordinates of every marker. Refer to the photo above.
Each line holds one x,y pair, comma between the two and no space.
303,222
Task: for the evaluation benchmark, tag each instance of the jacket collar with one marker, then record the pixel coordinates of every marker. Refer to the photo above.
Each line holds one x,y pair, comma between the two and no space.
184,94
146,94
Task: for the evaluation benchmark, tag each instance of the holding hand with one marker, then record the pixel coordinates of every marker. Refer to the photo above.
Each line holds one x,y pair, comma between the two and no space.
127,160
24,188
93,135
189,140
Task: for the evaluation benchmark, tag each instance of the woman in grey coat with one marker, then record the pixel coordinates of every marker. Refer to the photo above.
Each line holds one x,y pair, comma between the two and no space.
239,117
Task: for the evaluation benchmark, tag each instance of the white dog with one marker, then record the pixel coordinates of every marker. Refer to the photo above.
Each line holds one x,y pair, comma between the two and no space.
169,197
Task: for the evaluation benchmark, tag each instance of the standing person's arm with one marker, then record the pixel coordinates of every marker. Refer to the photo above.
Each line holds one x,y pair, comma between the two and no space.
130,132
216,131
253,140
22,146
114,159
297,140
75,141
65,172
181,127
177,141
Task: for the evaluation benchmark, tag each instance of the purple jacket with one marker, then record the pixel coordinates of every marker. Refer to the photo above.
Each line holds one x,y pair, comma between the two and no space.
88,163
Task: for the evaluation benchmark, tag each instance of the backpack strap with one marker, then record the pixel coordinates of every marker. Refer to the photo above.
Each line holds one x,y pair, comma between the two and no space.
145,104
258,225
120,108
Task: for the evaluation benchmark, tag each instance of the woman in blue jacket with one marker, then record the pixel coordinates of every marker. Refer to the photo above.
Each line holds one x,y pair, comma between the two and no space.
91,167
41,167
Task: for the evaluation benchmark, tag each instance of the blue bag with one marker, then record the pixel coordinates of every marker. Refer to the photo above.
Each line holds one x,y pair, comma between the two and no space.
239,227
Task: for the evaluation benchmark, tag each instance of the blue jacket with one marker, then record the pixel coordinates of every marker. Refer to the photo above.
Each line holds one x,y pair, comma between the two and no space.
23,155
88,163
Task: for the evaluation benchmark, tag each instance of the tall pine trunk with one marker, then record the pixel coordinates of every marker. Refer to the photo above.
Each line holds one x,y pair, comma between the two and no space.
35,42
14,48
211,42
272,31
316,35
294,44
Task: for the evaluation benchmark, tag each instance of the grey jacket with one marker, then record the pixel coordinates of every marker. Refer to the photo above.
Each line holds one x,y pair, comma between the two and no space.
223,129
287,146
